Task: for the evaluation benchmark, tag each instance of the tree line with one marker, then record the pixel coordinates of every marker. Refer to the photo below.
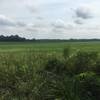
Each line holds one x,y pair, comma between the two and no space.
17,38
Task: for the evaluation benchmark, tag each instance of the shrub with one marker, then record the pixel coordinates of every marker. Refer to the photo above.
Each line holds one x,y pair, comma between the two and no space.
89,86
66,52
55,66
84,61
96,69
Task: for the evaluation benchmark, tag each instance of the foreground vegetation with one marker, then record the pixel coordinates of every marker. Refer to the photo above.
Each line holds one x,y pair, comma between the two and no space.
33,75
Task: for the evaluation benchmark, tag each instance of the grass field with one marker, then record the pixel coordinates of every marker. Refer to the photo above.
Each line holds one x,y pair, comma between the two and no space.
48,47
49,71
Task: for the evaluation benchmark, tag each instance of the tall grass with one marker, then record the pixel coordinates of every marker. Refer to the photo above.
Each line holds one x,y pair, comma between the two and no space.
44,76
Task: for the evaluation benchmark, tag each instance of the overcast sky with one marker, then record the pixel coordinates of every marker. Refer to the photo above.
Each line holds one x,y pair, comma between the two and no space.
59,19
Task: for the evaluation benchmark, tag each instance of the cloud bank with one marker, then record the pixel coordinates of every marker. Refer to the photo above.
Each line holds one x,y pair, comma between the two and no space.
50,18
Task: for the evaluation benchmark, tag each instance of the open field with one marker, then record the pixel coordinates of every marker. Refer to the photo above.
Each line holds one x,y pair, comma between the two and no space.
49,71
48,47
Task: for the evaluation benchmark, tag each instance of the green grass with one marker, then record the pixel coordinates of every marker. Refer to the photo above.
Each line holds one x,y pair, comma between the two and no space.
48,47
47,71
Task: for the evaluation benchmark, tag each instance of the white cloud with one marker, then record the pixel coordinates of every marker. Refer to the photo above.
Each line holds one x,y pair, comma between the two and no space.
5,21
50,18
8,22
59,24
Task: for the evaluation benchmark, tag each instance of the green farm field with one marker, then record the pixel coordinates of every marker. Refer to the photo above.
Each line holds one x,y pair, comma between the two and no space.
48,47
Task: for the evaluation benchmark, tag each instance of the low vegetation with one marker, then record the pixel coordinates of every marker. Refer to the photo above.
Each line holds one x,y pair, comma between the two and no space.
44,76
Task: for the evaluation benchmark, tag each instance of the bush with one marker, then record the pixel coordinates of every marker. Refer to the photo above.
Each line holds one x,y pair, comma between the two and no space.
66,52
84,61
55,66
97,67
89,85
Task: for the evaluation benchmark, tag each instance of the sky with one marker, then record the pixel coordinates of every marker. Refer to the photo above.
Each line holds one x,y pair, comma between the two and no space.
50,19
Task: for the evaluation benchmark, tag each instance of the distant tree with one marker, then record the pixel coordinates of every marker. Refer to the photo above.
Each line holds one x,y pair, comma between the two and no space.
11,38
